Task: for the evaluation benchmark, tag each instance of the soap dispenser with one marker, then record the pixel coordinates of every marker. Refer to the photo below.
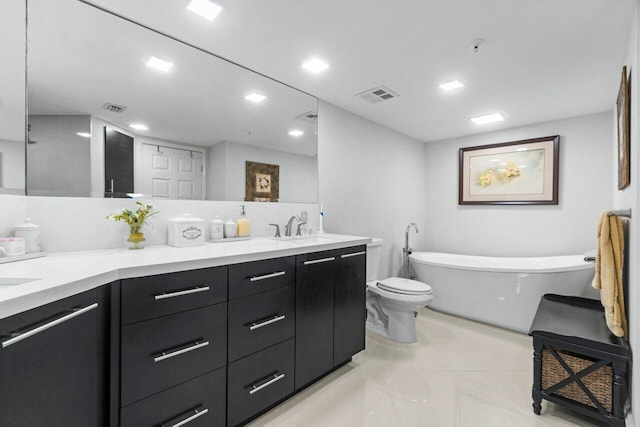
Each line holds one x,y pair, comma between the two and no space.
243,224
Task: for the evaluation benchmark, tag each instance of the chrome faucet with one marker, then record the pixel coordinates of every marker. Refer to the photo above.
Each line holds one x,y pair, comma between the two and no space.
406,251
287,228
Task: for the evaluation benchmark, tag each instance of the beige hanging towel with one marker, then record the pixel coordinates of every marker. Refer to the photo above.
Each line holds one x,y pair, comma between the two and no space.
608,274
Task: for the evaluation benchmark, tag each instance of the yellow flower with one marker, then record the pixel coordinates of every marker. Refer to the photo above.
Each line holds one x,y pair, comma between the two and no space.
486,179
511,171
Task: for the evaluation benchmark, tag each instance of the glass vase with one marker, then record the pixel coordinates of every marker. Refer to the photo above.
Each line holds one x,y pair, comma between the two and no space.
136,237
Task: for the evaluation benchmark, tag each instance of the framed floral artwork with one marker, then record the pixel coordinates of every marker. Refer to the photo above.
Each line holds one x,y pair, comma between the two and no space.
623,107
262,182
511,173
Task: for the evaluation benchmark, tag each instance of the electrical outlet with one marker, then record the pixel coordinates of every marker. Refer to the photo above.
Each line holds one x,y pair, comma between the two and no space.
304,216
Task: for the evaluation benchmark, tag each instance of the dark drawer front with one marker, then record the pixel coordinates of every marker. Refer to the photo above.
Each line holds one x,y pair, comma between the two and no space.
199,402
258,381
193,342
149,297
260,276
261,320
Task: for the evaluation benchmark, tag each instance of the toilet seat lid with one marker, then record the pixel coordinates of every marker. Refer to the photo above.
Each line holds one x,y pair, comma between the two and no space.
404,286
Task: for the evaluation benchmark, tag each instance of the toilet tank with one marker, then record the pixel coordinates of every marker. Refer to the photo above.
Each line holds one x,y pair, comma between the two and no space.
374,250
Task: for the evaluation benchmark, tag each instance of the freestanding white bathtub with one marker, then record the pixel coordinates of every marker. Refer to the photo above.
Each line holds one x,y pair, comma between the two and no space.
500,291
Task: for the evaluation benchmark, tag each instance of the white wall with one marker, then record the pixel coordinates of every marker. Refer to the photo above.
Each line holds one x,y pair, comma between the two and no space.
628,198
13,210
297,173
566,228
12,173
216,172
57,157
79,223
371,181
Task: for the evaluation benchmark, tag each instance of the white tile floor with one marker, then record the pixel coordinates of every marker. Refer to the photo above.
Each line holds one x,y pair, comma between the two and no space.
459,373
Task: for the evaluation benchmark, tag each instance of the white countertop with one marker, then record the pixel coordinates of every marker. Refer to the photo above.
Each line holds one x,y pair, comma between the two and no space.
64,274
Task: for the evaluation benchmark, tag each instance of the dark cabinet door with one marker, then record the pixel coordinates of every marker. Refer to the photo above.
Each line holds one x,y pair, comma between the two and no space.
316,275
350,303
118,164
258,381
51,364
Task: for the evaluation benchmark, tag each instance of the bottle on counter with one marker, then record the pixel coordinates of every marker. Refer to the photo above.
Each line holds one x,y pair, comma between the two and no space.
31,234
230,228
243,224
217,229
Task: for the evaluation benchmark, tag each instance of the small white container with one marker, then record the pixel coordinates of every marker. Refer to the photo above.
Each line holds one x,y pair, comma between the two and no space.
186,231
230,229
217,229
12,246
31,235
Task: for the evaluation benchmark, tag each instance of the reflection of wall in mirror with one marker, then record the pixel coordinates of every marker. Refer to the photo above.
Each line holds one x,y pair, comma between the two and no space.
226,176
58,157
11,167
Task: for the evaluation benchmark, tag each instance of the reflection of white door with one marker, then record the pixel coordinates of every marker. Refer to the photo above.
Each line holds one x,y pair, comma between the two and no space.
171,173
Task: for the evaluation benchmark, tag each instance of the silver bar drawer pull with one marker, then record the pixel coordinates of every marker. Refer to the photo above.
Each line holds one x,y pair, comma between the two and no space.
180,293
267,276
269,321
353,254
62,319
274,378
187,349
318,261
197,414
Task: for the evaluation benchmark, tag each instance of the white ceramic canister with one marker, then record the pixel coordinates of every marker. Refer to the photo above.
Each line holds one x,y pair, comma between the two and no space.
230,229
217,229
30,232
186,231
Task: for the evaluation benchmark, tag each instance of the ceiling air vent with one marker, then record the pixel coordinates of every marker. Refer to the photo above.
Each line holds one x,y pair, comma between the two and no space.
114,108
309,117
377,94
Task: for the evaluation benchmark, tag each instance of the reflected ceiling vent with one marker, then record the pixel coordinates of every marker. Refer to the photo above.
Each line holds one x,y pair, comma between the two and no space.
114,108
377,94
309,117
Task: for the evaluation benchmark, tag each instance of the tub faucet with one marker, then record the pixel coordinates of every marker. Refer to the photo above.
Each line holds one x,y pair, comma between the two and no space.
289,226
406,251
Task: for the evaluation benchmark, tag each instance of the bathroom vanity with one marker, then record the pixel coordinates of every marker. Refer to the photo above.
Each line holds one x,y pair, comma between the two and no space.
212,335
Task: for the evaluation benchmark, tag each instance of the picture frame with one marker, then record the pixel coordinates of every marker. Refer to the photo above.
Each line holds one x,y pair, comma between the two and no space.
623,107
262,183
521,172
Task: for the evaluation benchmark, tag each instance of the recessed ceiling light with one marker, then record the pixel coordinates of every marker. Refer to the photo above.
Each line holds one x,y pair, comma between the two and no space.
315,65
205,8
489,118
454,84
84,134
296,132
138,126
159,64
255,97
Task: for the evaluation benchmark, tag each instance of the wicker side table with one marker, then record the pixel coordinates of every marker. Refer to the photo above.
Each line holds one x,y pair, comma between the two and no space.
577,362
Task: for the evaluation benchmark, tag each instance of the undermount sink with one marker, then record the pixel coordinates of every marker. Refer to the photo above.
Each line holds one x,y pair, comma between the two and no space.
14,281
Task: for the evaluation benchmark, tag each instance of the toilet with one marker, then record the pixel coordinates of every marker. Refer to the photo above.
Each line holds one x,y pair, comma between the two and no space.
392,303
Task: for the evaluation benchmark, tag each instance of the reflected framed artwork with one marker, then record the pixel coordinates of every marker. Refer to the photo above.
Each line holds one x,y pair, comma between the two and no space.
624,129
512,173
262,182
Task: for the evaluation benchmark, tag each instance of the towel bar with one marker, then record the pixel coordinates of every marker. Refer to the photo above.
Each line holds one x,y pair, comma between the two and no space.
620,212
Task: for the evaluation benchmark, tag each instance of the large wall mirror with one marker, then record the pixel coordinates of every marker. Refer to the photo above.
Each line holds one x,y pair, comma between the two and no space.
12,97
103,122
